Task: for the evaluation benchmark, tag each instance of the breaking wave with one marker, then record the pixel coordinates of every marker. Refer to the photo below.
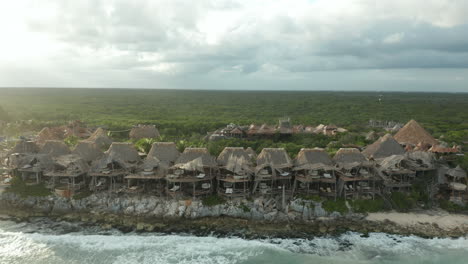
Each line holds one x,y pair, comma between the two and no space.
67,243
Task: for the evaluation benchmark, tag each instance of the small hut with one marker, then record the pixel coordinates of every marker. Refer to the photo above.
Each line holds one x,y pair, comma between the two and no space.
88,151
55,148
100,138
118,161
356,175
413,134
144,131
384,147
235,172
314,173
273,172
396,177
70,172
192,174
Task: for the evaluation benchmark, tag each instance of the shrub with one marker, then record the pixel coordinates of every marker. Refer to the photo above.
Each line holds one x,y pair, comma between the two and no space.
212,200
82,194
19,186
244,208
335,206
367,206
402,202
314,198
71,141
452,207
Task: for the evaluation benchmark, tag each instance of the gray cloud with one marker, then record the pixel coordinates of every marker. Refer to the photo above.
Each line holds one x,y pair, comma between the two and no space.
245,42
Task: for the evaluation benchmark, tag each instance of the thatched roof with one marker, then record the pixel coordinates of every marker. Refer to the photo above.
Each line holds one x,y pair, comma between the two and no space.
70,164
125,152
274,157
100,138
457,172
88,151
349,158
239,164
383,147
315,158
54,133
55,148
164,151
200,154
230,152
144,131
23,146
38,162
413,133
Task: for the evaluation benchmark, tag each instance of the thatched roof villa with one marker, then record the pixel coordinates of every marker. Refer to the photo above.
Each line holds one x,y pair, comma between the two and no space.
273,171
192,173
314,173
119,160
356,176
236,166
70,170
413,134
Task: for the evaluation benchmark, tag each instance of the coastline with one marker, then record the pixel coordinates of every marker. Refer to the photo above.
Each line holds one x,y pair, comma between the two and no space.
224,220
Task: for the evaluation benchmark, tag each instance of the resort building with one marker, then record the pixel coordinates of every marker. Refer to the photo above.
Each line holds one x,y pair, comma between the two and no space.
314,173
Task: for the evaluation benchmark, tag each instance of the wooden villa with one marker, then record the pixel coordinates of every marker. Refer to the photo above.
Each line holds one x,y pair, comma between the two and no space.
192,174
235,172
118,161
357,178
69,171
151,175
273,173
314,173
396,177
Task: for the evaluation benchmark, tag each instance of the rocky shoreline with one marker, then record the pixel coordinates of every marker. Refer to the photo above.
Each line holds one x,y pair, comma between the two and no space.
256,218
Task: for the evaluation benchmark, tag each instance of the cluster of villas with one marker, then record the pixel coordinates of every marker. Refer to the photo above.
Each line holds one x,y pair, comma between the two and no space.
385,166
284,128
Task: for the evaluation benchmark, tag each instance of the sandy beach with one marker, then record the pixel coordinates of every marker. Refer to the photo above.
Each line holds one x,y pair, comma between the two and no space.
443,219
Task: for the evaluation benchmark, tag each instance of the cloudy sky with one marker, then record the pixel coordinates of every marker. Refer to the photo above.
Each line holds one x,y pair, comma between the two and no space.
410,45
